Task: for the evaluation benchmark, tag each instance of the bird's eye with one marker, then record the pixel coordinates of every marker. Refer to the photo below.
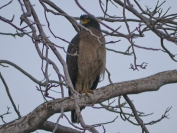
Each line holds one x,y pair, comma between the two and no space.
85,21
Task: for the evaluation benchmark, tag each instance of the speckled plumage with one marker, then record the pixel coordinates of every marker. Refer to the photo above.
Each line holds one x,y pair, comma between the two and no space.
86,68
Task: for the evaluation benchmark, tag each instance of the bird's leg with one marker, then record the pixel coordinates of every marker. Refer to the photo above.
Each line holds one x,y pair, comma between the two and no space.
87,91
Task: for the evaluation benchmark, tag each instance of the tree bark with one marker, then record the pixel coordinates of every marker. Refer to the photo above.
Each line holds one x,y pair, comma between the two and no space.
49,126
39,115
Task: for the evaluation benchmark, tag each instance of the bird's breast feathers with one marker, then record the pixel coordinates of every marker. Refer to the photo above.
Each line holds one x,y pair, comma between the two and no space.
92,52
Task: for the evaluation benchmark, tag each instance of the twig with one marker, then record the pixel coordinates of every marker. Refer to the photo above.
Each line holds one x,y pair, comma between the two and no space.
130,39
6,4
124,53
40,89
15,34
163,116
2,116
138,119
167,51
8,93
109,77
100,124
125,117
28,75
73,22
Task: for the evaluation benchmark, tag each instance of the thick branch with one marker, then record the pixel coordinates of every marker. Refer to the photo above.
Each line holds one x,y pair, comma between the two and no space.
33,120
49,126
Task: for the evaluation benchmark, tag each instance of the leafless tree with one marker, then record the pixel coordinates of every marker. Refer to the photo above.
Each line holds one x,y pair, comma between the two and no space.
162,24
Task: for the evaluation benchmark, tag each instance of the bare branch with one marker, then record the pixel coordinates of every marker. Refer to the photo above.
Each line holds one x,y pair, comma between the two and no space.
100,124
72,21
124,53
149,22
10,97
49,126
2,116
45,110
28,75
109,76
167,51
15,34
6,4
163,116
138,119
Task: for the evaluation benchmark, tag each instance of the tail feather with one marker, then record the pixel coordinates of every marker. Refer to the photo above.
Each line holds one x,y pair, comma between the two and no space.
74,117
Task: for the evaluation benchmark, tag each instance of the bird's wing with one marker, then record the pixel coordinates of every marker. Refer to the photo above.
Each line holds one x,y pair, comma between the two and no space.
72,60
95,83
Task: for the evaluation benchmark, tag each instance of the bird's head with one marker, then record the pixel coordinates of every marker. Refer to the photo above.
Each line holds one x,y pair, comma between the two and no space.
89,21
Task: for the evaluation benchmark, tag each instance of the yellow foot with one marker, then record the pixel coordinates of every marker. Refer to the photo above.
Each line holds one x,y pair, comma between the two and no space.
87,91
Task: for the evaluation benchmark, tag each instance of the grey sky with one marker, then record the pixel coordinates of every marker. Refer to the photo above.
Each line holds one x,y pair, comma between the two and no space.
22,52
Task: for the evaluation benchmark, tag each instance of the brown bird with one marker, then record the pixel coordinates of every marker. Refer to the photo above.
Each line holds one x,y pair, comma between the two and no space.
86,69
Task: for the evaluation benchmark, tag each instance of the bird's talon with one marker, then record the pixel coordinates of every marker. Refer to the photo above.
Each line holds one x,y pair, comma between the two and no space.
87,91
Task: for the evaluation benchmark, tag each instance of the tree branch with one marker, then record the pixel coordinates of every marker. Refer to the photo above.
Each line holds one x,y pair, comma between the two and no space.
28,75
138,119
48,43
33,120
72,21
7,113
10,97
49,126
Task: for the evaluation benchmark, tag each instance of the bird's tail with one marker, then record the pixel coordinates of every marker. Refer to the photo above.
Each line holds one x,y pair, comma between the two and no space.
74,117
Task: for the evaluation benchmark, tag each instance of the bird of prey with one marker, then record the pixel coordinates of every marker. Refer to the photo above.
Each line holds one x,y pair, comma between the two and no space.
86,69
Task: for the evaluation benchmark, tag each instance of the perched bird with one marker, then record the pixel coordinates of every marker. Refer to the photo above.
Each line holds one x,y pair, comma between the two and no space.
86,69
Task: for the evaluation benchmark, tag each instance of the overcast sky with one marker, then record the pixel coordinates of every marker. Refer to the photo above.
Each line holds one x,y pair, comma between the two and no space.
22,52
